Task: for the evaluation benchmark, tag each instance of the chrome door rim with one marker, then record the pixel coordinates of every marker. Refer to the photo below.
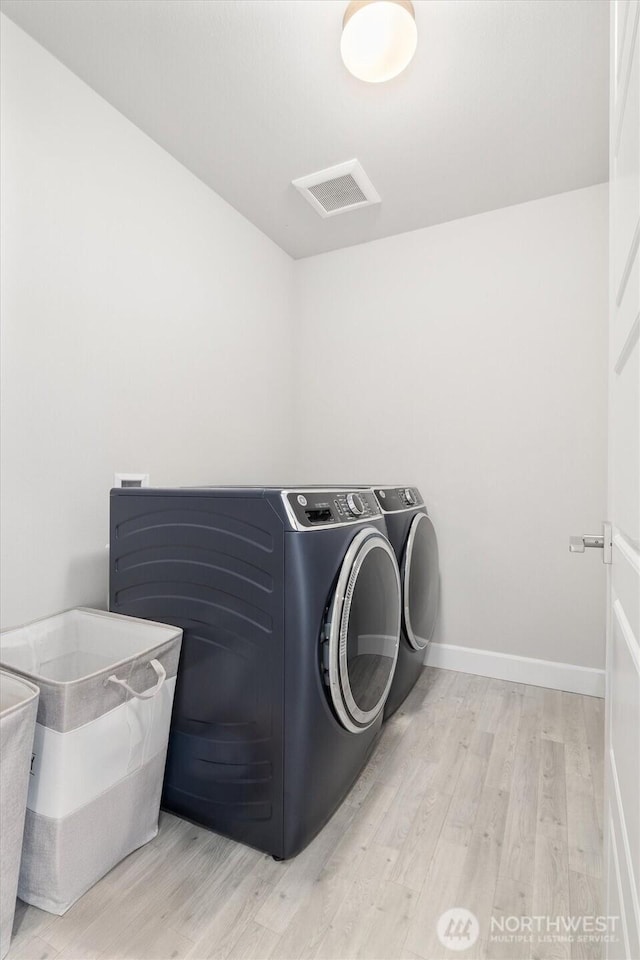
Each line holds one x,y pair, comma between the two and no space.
416,642
351,716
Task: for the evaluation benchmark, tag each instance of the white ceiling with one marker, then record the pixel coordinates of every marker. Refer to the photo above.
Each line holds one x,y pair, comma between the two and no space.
505,101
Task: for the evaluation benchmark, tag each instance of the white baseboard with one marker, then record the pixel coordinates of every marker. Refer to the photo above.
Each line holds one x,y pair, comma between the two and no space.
507,666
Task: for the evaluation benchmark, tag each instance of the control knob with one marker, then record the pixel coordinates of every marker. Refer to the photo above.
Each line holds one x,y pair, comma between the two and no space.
355,504
409,497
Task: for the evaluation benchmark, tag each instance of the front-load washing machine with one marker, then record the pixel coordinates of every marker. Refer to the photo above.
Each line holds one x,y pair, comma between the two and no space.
413,538
290,605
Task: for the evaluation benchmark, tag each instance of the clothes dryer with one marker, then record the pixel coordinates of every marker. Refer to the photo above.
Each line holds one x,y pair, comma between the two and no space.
414,540
290,605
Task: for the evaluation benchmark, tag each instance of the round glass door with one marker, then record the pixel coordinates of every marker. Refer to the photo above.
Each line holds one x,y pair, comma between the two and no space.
420,582
364,630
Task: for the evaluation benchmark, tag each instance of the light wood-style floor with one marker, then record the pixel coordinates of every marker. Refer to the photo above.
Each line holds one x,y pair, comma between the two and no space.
481,793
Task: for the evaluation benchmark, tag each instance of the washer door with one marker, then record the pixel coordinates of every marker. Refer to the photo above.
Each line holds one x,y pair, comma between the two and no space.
420,582
363,630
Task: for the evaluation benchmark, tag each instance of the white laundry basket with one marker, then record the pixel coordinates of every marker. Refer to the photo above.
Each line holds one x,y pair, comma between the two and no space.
18,707
106,692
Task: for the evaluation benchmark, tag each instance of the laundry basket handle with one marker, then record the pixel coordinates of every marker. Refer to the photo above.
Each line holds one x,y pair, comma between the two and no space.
161,674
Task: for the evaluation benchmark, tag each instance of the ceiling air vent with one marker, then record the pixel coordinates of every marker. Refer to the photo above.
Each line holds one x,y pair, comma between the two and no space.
338,189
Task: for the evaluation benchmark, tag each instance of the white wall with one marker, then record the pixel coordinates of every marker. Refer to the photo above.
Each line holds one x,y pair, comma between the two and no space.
145,327
470,359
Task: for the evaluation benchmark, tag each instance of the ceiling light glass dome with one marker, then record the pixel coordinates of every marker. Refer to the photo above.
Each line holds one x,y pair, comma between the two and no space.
379,38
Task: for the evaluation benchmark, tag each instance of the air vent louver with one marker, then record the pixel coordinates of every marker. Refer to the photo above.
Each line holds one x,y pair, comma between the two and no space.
338,189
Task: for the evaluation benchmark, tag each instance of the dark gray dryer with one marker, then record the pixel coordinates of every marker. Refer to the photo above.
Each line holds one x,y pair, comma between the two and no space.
290,606
413,538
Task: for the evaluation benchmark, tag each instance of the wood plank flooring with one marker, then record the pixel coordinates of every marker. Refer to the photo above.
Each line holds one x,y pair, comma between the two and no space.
481,793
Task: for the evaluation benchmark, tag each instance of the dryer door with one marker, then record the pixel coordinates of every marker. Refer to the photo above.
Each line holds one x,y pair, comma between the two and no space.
363,630
420,582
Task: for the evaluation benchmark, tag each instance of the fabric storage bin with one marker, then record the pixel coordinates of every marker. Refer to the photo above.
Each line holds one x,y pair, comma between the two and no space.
106,692
18,707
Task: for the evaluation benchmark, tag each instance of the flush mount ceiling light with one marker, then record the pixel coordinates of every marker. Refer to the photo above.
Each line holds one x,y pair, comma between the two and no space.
379,38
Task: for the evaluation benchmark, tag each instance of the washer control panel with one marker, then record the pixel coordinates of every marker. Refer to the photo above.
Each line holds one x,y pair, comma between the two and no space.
392,499
325,508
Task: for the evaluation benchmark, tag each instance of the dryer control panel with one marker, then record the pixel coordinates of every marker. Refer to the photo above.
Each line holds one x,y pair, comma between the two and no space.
312,509
393,499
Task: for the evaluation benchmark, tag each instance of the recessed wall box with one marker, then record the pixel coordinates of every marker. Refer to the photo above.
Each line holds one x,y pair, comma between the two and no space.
131,480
